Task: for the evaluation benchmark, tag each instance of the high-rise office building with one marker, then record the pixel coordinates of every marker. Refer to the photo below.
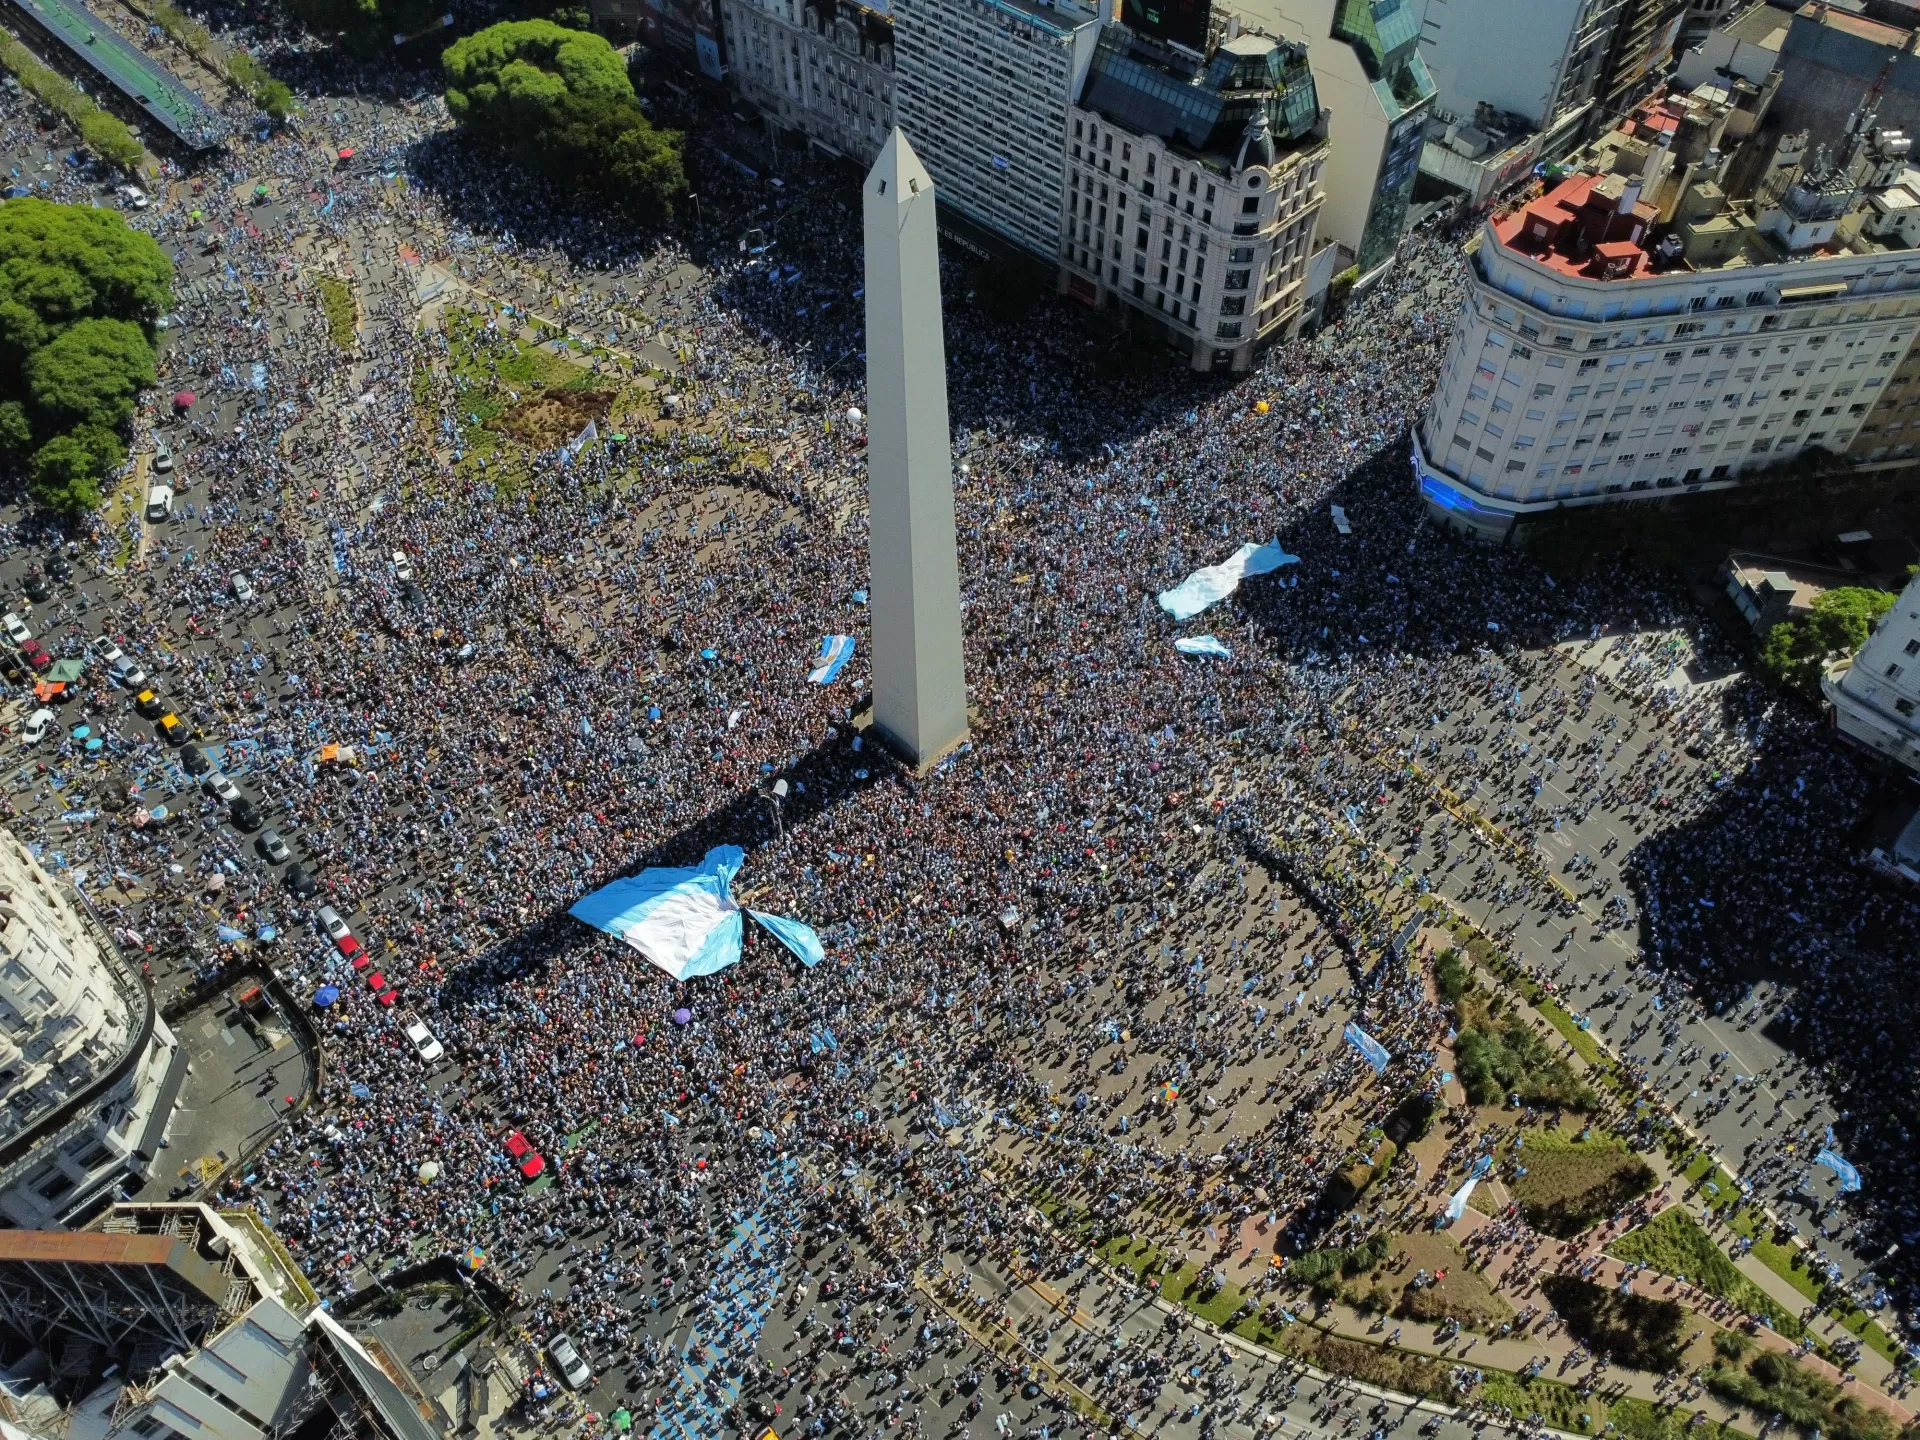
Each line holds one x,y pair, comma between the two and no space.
1549,59
1644,38
1193,187
1595,360
822,67
982,89
89,1072
1374,84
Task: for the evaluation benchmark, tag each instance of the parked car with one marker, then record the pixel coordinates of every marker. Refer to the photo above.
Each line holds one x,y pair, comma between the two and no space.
246,815
530,1161
38,723
162,459
124,672
194,760
402,567
172,729
105,651
300,884
567,1360
36,654
219,783
159,503
37,586
148,704
16,628
424,1045
273,847
242,588
57,567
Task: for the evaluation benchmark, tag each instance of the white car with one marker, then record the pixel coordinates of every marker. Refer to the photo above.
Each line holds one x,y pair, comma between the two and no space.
402,567
242,588
218,784
424,1045
134,197
572,1368
17,630
35,730
331,922
159,503
128,674
162,460
105,650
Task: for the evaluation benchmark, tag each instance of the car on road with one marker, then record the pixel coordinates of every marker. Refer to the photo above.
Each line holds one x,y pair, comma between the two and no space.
133,197
242,588
172,729
148,704
159,503
125,672
37,725
402,567
424,1045
218,783
162,459
300,884
57,567
246,815
37,586
194,760
16,628
337,931
36,654
105,651
273,847
567,1360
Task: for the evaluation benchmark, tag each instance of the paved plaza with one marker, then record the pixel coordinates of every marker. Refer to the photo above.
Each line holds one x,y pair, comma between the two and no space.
505,540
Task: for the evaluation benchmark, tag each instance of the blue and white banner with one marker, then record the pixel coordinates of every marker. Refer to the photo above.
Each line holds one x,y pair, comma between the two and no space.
1457,1206
1375,1053
1208,645
1214,583
835,651
1849,1177
685,920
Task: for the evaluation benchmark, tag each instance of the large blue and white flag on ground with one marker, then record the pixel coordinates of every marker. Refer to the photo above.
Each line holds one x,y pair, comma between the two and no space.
1375,1053
1849,1177
1214,583
835,651
1209,645
1457,1206
685,920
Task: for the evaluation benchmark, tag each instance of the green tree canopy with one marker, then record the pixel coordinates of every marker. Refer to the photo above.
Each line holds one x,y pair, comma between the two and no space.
79,293
559,100
90,373
1795,653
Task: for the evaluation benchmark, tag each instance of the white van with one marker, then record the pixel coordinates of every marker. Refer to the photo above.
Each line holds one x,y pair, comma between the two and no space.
159,504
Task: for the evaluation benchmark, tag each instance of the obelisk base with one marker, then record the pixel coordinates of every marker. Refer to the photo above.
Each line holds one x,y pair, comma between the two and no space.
863,723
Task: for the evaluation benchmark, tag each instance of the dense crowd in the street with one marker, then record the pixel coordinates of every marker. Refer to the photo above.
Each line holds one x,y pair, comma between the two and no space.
601,665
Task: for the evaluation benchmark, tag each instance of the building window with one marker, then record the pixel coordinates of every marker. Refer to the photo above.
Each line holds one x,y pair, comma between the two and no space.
1905,707
1229,330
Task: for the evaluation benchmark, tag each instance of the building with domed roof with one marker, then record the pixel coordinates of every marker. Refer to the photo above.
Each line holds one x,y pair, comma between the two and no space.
1193,186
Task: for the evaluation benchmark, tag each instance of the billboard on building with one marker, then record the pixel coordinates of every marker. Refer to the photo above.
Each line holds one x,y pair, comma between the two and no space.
1184,22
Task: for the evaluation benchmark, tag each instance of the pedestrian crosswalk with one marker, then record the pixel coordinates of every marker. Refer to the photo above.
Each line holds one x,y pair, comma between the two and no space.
745,1282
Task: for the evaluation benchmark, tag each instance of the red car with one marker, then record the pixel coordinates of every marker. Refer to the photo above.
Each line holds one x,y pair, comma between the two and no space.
387,997
530,1161
36,654
376,982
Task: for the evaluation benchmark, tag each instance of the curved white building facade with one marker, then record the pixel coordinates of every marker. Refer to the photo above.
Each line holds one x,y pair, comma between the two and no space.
88,1070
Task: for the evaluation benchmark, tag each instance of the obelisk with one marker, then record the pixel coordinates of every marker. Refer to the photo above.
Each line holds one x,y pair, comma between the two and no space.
919,680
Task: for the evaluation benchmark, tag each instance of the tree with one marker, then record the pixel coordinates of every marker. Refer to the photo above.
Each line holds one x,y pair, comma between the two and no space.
67,470
90,373
560,102
1796,653
79,294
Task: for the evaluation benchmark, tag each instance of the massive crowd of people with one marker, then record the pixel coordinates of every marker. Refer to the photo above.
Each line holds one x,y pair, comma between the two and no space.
600,663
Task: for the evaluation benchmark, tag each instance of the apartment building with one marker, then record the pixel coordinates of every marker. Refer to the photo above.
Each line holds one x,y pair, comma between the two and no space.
1644,38
821,67
982,89
1551,55
1593,363
1192,190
